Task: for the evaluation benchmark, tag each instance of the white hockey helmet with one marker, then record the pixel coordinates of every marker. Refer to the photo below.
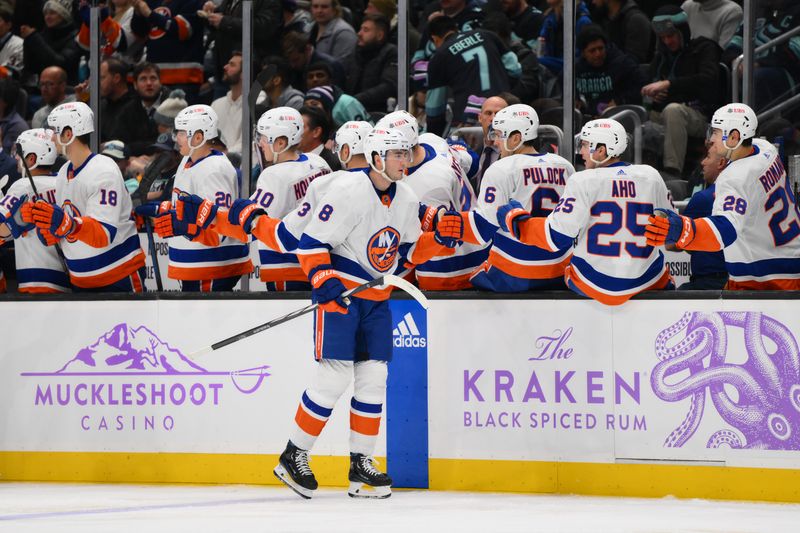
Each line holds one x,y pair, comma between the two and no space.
76,116
517,117
382,140
403,121
199,117
281,122
739,117
352,134
607,132
38,141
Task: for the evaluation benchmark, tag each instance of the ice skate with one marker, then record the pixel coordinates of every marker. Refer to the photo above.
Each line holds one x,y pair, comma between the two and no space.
294,471
365,480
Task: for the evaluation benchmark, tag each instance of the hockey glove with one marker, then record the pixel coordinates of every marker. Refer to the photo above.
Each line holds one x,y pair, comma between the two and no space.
668,227
45,237
195,210
53,219
510,215
327,290
450,229
168,225
244,213
153,209
13,218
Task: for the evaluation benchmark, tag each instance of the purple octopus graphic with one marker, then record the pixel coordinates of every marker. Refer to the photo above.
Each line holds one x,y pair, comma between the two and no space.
765,407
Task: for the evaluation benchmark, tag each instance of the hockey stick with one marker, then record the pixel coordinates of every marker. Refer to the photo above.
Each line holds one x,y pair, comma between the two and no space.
152,172
388,279
21,154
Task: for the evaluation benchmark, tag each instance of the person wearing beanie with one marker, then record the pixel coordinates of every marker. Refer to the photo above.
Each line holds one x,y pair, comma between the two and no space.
166,112
53,44
685,86
717,20
337,106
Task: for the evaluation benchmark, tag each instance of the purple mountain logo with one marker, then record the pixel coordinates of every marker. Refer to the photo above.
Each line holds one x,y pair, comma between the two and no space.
758,397
130,349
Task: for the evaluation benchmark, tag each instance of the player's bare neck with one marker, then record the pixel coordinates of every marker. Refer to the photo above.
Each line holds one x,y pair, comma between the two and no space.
201,152
357,161
288,155
742,152
419,156
78,153
378,181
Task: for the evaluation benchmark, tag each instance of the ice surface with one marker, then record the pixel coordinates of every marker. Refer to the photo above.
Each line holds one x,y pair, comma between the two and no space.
89,508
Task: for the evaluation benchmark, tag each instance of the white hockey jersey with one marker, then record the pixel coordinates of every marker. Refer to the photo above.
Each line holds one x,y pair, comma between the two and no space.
366,232
39,269
214,178
537,181
607,209
279,190
96,190
756,219
464,165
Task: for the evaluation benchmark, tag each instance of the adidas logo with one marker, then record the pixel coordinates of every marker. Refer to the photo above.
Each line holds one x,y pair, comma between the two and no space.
407,335
621,173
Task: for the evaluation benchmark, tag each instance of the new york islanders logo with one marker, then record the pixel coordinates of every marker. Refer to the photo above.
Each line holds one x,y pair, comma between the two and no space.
382,249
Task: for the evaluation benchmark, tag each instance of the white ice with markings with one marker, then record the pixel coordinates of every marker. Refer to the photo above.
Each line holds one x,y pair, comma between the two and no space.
89,508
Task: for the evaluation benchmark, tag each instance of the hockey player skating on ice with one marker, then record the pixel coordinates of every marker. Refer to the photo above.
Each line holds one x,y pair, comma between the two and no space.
603,213
363,226
39,268
755,218
91,217
201,261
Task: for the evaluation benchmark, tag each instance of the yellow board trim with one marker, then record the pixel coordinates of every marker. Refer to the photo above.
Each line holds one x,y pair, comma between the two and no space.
609,479
599,479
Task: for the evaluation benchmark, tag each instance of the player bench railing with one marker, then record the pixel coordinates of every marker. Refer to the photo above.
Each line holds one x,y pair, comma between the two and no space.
476,132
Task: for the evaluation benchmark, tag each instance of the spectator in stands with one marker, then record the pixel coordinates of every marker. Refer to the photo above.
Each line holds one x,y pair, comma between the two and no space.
158,173
300,53
373,78
225,20
527,87
295,19
53,86
116,150
122,13
11,54
112,36
229,107
316,132
147,84
317,75
330,33
277,85
174,38
54,44
604,76
337,106
526,21
491,152
685,86
627,27
388,8
708,268
713,19
777,73
551,36
11,123
121,115
165,113
473,65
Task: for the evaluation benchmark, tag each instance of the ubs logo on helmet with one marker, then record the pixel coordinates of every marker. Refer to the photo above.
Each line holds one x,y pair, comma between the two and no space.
382,249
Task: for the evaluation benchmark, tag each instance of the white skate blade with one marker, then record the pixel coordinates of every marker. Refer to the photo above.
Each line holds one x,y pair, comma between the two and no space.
284,476
362,490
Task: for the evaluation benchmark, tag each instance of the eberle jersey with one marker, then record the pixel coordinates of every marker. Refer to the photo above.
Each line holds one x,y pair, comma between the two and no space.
279,190
757,221
536,181
39,269
606,210
212,177
96,190
365,231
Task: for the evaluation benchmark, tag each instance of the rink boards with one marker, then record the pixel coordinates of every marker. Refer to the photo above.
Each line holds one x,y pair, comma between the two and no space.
693,397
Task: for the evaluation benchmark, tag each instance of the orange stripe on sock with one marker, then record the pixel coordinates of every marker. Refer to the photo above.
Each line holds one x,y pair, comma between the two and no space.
309,424
365,425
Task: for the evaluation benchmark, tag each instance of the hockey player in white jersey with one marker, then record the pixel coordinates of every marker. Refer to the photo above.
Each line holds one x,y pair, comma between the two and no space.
201,261
436,177
602,213
92,214
535,180
39,268
755,219
366,223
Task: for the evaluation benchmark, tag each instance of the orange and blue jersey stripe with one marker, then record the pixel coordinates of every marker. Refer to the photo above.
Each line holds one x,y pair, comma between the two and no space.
42,280
108,267
209,263
611,290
